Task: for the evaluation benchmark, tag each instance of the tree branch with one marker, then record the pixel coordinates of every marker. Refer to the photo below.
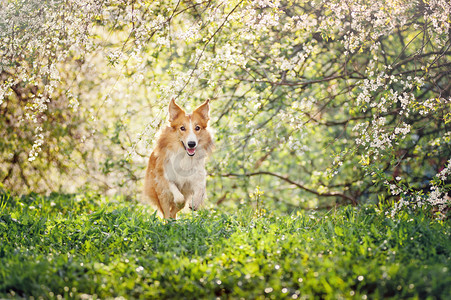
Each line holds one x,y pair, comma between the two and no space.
302,187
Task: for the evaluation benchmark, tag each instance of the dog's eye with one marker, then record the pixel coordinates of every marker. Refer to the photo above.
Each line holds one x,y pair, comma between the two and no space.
182,128
197,128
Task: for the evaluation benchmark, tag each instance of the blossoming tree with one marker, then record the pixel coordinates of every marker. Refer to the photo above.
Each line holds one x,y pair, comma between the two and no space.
322,102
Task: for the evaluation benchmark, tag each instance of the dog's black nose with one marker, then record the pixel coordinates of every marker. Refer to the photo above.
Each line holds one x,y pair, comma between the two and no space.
191,144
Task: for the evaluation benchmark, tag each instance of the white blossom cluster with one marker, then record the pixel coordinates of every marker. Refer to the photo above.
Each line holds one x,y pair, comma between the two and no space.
438,198
37,144
36,37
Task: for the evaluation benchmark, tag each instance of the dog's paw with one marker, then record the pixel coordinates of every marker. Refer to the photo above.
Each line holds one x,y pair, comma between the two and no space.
180,205
179,201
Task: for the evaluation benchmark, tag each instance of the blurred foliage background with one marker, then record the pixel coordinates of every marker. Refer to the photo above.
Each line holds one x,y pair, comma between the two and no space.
314,103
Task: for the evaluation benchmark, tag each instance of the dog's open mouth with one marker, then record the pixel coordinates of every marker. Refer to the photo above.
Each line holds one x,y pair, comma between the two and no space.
190,151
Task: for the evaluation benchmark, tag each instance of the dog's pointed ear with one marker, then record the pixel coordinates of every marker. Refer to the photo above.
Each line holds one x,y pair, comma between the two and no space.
204,110
174,110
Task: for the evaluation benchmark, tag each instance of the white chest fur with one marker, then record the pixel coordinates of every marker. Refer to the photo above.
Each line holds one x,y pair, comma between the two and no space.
182,169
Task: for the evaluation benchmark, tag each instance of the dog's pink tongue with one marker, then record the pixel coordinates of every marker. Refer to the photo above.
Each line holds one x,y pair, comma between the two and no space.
191,151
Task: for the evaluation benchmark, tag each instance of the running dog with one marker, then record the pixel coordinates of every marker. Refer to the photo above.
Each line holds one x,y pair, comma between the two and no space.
176,170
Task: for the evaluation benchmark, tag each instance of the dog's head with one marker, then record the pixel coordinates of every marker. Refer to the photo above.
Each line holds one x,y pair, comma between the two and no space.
191,129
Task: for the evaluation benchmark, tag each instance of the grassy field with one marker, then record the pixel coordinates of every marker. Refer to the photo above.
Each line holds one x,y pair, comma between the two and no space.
85,246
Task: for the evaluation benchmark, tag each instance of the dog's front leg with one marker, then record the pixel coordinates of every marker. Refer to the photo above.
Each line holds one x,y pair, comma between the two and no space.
179,199
198,196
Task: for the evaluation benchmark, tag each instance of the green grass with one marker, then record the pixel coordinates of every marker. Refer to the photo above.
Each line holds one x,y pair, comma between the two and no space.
86,246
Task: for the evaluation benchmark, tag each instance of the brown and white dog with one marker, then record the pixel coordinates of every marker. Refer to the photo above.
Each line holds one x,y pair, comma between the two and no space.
176,171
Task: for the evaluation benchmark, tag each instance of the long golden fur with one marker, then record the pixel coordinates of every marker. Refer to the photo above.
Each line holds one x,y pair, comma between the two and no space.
176,173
